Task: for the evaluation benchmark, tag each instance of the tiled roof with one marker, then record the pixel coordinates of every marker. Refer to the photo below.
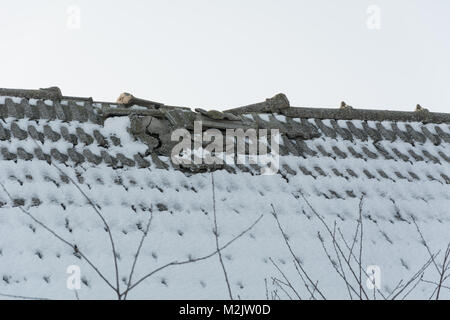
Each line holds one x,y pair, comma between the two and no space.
118,154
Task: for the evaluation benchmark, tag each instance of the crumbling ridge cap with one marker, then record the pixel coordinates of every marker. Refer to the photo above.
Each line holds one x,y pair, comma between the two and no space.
53,93
367,115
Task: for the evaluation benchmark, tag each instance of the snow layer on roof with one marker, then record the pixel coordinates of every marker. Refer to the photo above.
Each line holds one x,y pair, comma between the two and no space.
398,179
33,263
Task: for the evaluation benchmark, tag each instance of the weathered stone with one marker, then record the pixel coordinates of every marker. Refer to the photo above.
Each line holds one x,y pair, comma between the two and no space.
75,156
92,116
360,134
35,202
36,135
343,132
442,134
84,137
157,162
433,138
20,108
276,104
446,178
68,136
107,112
50,134
58,156
329,132
218,115
43,110
59,111
108,159
400,155
151,142
303,148
387,134
355,153
416,156
101,140
115,140
383,151
323,151
212,114
430,156
22,154
4,133
11,107
303,130
288,146
157,126
125,161
67,111
181,119
374,134
366,115
162,207
405,137
31,112
3,111
137,124
444,156
41,155
339,152
141,162
51,111
82,113
8,155
17,132
52,93
18,202
368,174
129,100
369,153
417,136
76,111
91,157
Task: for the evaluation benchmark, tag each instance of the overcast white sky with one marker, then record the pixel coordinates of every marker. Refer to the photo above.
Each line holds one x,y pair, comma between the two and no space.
220,54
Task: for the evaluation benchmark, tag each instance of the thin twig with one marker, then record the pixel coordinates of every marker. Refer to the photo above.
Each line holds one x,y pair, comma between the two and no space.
177,263
360,245
21,297
138,252
340,263
321,219
292,252
414,277
216,235
288,283
74,247
108,229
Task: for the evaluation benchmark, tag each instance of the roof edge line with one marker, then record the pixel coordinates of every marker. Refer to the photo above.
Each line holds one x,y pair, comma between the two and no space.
367,114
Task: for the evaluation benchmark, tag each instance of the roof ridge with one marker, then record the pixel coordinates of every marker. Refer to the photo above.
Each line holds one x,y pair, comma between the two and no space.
277,104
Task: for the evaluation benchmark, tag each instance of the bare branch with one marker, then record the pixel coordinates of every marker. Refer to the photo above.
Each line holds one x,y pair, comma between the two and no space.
108,229
216,235
74,247
293,254
138,252
360,246
321,219
21,297
288,283
178,263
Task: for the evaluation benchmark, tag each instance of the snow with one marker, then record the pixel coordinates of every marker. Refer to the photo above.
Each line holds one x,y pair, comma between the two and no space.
34,263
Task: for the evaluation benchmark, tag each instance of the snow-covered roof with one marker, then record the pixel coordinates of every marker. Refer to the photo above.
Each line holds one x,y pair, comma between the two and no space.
76,173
